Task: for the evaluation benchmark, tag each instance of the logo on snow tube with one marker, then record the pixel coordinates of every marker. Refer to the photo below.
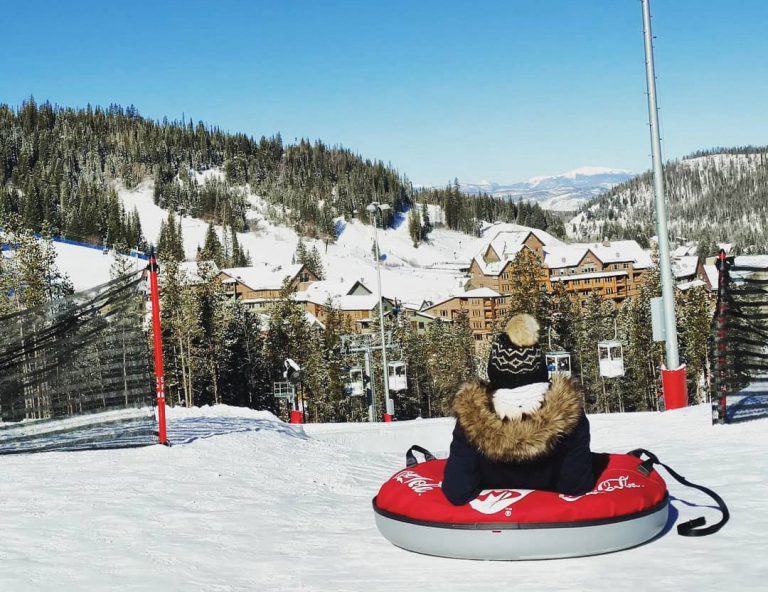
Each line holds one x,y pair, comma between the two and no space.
416,482
604,487
492,501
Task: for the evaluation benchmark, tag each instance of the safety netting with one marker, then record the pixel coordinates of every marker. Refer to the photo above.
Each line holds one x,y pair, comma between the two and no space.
739,356
75,373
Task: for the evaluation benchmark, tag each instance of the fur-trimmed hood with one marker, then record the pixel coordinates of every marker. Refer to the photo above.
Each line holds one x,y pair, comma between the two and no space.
534,435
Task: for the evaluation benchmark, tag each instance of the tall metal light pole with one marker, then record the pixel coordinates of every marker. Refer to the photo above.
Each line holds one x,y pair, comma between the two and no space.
379,208
670,381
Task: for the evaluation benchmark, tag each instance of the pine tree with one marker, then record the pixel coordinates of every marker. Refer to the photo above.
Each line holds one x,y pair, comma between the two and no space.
211,313
526,294
311,259
414,226
694,327
240,257
288,334
212,249
426,223
170,244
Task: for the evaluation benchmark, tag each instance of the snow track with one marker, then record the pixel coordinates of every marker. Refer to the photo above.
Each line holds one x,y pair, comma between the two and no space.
249,503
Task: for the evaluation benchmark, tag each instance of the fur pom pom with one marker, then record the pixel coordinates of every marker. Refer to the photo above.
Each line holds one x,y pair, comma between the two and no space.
523,330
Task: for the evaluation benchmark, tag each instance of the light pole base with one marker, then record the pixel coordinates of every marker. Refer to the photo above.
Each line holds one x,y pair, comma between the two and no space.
297,417
387,417
674,388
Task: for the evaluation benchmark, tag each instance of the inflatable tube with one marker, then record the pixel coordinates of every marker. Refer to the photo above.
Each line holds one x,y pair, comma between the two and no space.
628,506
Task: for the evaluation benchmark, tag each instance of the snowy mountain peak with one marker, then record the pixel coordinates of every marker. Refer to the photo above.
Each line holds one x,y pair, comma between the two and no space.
583,171
563,192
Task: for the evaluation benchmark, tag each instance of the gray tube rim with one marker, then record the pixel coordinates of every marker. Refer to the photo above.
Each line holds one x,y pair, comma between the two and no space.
520,525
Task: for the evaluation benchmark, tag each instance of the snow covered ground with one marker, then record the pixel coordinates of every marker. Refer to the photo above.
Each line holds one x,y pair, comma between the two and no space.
249,503
410,274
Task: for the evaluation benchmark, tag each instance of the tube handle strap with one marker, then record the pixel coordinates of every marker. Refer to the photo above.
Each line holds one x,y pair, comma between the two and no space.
410,458
691,528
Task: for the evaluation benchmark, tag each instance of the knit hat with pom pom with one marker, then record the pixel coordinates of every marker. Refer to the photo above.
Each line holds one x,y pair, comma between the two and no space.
516,358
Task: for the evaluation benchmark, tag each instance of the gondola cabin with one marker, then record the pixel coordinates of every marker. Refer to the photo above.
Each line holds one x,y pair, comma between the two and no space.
558,361
354,386
398,378
611,356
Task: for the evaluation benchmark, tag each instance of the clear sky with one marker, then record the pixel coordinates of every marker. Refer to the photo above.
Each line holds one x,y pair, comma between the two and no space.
474,89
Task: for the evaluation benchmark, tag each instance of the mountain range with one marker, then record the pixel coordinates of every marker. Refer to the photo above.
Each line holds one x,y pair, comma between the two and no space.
713,196
564,192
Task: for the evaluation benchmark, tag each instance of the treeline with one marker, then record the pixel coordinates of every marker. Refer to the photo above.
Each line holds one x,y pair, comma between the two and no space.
714,196
465,212
218,351
61,166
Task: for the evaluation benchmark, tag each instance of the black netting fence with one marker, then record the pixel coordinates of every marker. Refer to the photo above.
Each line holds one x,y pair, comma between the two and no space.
76,373
739,354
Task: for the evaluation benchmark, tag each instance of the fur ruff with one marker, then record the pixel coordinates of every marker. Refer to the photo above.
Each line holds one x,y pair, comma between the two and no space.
523,330
534,435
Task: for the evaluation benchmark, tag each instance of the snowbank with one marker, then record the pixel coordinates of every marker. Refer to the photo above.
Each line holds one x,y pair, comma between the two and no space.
285,509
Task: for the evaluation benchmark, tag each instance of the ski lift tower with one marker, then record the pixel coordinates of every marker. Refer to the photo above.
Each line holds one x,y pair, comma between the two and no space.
379,208
673,375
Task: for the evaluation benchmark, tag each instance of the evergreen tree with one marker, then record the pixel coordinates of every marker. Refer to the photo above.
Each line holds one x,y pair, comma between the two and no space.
288,335
414,226
426,223
170,243
694,326
526,294
309,258
212,249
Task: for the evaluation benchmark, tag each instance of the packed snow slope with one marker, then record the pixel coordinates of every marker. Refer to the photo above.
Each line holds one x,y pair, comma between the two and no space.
412,274
275,508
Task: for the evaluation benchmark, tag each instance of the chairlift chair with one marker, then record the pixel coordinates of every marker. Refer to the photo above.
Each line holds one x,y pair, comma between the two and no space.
611,356
398,377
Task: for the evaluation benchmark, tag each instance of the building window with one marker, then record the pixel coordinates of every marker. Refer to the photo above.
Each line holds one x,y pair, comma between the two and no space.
443,313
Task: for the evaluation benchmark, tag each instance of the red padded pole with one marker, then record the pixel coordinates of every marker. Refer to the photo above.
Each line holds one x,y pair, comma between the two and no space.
154,292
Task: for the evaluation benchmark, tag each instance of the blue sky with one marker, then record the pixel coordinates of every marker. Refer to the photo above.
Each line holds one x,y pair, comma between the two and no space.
501,90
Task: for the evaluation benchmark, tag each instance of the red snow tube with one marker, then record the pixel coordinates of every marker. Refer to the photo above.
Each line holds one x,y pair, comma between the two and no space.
628,506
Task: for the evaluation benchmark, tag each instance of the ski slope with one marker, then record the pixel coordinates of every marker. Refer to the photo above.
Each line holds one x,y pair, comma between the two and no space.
411,274
244,502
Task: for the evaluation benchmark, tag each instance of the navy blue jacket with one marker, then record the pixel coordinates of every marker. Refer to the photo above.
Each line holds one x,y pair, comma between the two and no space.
568,469
549,451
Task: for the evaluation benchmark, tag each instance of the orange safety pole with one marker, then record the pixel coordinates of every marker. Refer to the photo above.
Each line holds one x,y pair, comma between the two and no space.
158,347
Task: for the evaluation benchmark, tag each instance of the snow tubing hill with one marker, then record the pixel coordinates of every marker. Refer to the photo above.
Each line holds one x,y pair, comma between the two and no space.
627,507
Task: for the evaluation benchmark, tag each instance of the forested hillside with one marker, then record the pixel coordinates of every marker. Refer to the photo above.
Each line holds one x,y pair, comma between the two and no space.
719,195
59,166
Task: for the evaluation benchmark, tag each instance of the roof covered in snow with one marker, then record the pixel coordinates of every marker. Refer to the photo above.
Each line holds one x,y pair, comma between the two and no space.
460,293
712,275
623,251
349,295
684,266
507,240
263,276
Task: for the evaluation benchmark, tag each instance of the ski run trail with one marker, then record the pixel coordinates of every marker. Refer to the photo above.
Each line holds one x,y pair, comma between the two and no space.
245,502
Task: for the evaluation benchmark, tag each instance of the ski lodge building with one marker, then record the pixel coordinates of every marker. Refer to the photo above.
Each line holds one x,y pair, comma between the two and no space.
260,285
483,306
613,269
357,304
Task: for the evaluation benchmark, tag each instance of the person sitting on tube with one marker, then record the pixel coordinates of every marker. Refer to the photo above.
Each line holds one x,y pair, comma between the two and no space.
520,430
